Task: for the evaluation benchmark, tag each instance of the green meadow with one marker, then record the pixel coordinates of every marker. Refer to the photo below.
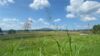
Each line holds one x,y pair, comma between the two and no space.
53,43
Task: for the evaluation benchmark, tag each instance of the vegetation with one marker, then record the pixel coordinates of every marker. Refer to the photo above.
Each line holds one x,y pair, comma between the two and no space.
11,31
1,32
49,44
96,29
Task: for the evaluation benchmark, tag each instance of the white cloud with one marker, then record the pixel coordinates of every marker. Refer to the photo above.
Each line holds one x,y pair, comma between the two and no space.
13,23
42,21
32,20
58,27
39,21
10,23
74,5
57,20
9,19
6,2
83,26
88,18
70,16
89,6
82,8
39,4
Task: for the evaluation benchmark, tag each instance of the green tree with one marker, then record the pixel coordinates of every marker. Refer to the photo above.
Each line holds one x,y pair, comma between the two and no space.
1,32
96,28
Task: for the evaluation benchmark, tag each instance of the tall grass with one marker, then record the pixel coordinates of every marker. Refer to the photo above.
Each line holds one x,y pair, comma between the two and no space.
70,43
59,47
55,46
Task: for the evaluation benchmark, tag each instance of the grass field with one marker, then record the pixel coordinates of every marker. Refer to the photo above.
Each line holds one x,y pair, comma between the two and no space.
49,44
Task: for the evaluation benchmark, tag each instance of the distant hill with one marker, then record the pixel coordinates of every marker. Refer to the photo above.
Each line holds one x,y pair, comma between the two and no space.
44,29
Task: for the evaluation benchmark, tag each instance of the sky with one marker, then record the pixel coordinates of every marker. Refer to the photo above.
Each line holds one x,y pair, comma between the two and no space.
62,14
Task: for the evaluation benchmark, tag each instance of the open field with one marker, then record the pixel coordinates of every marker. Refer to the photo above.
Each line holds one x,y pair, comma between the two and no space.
49,44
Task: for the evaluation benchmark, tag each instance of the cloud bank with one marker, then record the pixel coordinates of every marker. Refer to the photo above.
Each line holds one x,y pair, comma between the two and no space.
6,2
10,23
86,10
18,24
57,20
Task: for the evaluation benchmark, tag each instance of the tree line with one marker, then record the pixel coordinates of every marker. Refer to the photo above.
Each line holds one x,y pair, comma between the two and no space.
95,30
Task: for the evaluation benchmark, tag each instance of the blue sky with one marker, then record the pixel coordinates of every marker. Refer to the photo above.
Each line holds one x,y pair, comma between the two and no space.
73,14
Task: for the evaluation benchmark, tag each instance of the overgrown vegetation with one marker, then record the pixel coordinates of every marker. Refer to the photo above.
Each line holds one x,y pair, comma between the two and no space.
49,44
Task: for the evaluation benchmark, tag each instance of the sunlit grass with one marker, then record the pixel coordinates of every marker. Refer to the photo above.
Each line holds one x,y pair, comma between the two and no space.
49,44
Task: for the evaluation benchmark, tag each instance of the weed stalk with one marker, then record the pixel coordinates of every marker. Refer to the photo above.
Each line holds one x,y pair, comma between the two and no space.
70,42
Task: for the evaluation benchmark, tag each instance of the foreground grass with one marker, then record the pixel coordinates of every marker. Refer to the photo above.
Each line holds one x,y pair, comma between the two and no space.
49,44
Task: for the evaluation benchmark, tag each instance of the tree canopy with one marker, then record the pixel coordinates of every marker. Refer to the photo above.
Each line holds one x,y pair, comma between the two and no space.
96,28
